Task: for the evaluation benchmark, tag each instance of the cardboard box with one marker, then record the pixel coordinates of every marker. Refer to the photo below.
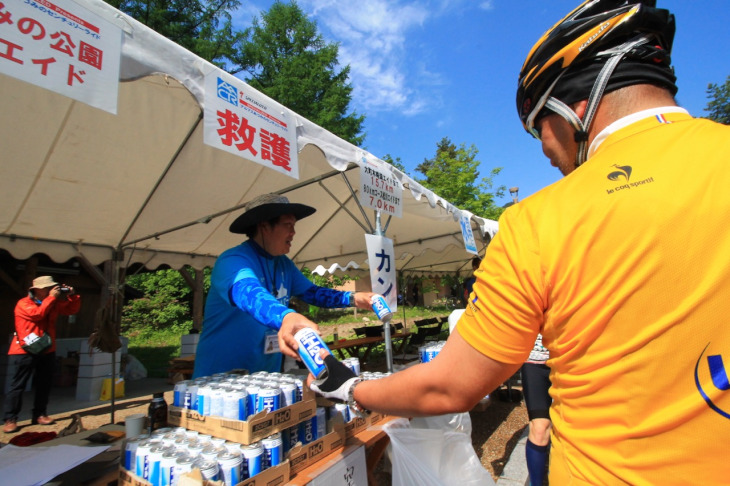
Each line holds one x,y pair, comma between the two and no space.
357,424
303,456
257,427
346,469
274,476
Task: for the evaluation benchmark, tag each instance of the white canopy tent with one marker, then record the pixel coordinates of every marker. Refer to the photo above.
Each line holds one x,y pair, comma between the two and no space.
142,186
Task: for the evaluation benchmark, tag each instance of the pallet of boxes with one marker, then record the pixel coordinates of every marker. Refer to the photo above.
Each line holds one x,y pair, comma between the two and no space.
234,429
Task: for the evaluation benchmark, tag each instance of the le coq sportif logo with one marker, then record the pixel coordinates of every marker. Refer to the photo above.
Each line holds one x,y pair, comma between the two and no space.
623,172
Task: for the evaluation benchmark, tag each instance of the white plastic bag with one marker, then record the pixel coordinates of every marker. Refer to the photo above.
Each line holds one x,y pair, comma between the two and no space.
134,370
435,451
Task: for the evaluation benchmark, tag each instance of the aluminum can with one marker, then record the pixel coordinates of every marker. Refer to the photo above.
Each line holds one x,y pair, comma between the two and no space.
211,452
154,460
195,448
178,396
343,410
269,399
182,466
191,397
216,402
308,431
300,389
130,453
229,465
232,446
141,459
273,450
231,404
381,309
179,430
209,469
353,364
253,456
167,468
310,343
252,398
321,424
289,393
192,434
217,441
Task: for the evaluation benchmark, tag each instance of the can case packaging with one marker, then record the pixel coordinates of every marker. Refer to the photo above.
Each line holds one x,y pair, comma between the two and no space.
357,424
303,456
275,475
257,427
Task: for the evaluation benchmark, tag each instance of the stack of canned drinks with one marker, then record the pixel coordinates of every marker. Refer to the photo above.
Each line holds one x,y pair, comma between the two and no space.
168,453
237,397
429,351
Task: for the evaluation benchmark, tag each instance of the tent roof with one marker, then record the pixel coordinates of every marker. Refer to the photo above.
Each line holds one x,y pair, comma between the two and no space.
78,180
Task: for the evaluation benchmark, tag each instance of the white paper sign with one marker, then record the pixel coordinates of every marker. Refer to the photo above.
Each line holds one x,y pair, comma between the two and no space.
381,259
468,235
243,122
60,46
380,189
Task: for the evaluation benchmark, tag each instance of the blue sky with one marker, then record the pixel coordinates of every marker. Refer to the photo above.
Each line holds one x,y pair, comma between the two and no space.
427,69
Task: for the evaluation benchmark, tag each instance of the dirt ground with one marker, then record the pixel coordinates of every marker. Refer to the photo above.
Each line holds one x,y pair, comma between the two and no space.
495,431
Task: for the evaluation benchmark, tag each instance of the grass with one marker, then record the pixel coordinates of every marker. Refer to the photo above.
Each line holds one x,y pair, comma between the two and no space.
155,348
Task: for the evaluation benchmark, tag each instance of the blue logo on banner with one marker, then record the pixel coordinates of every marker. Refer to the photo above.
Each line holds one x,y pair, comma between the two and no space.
227,92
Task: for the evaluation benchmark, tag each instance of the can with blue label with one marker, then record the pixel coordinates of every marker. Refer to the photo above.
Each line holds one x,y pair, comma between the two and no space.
310,343
167,467
273,450
141,461
154,460
269,399
381,309
288,393
208,469
229,465
252,398
253,455
178,395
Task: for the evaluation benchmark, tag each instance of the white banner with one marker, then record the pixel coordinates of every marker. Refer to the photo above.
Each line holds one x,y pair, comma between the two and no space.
379,188
243,122
62,47
467,234
381,259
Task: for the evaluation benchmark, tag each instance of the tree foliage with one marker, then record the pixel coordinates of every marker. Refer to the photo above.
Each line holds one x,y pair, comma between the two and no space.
286,58
165,305
719,104
454,175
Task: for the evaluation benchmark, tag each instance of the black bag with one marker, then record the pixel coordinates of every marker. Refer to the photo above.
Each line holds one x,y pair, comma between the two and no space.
38,346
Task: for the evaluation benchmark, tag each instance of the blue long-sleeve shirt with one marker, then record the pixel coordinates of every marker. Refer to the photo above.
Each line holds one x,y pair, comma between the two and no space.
248,298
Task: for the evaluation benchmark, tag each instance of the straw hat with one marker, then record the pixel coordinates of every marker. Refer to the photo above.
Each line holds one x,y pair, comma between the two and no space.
44,282
266,207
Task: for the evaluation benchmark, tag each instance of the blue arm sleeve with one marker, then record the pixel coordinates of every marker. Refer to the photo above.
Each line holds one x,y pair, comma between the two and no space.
248,294
324,297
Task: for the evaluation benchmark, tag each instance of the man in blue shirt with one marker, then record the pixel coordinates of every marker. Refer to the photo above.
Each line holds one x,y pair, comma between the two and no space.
247,310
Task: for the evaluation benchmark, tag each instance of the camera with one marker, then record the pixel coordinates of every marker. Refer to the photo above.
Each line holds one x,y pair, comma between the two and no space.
65,290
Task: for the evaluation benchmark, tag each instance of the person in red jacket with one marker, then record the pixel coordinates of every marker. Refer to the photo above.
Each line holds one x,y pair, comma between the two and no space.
36,315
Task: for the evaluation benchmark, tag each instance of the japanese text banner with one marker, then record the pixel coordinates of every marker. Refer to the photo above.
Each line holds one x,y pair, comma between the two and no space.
243,122
380,189
381,259
467,234
60,46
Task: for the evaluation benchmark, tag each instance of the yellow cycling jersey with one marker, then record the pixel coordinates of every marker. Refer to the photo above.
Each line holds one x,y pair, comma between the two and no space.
623,266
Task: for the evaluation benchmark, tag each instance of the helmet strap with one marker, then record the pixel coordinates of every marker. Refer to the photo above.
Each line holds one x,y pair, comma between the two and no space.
599,86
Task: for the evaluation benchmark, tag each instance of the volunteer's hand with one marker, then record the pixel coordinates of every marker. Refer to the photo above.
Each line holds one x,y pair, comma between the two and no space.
336,381
292,323
364,300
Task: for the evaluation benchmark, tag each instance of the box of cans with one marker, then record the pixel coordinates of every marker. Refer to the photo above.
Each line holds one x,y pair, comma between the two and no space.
304,453
358,424
242,408
275,475
255,428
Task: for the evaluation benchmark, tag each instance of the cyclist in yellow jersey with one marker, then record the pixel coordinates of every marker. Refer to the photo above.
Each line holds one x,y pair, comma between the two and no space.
623,266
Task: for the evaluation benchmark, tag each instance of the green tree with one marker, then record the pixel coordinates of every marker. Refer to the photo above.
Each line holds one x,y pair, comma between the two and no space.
719,104
203,27
287,59
397,163
165,305
454,175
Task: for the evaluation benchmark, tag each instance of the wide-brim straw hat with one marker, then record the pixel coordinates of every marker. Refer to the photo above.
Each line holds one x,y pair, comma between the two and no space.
44,282
266,207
